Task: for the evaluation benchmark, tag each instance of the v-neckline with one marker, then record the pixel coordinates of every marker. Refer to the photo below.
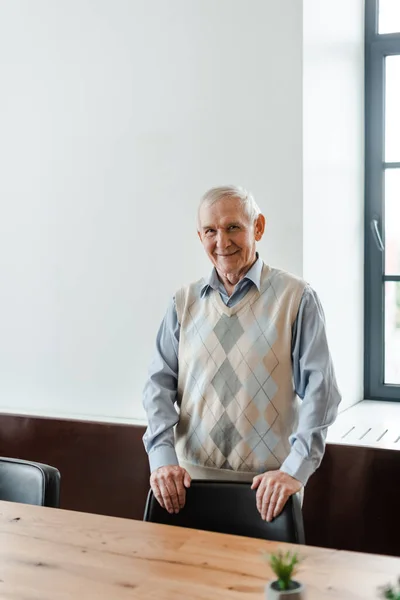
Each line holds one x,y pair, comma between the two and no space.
232,310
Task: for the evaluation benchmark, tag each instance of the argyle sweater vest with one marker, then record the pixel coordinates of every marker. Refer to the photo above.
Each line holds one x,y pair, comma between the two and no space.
236,397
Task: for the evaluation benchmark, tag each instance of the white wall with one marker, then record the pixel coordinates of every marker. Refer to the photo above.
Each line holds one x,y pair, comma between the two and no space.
333,159
115,116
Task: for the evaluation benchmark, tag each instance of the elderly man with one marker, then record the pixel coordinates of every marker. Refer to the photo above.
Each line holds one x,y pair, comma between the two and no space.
234,354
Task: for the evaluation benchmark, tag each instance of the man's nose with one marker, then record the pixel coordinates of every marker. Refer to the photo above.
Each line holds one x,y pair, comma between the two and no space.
223,239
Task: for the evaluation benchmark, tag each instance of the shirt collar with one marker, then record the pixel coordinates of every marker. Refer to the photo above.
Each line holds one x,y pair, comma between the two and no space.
253,275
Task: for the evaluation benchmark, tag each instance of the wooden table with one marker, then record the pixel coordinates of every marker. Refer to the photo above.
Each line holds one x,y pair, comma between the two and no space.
51,554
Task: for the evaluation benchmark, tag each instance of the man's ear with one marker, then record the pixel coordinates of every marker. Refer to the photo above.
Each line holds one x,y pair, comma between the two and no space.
259,227
199,234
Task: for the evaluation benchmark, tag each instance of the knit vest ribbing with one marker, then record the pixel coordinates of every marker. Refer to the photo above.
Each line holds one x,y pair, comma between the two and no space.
235,385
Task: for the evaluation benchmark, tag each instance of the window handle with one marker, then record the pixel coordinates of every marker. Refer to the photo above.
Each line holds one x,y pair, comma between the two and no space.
377,235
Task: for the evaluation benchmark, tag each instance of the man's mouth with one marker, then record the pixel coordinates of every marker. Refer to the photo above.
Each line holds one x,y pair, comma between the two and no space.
226,255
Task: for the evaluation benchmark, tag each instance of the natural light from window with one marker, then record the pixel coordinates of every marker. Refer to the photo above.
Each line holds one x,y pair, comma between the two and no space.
389,16
392,112
392,218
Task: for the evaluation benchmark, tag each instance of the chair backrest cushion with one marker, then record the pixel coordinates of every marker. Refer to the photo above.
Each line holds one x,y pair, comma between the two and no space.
230,507
29,482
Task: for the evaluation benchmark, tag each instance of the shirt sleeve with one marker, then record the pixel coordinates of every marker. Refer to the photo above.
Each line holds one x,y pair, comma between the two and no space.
315,384
160,394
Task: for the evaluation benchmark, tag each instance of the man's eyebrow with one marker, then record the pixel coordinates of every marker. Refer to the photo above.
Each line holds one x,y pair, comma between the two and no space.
230,224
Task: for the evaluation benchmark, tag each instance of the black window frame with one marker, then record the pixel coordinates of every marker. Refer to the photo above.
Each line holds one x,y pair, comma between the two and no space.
377,47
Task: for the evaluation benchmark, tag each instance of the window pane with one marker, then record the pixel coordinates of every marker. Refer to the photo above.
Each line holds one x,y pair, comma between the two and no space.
392,113
392,332
389,16
392,222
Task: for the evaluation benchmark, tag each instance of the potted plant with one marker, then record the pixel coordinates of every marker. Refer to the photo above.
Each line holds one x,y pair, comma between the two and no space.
391,593
284,587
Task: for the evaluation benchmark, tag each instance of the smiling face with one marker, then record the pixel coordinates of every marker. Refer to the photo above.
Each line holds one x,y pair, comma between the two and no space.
229,237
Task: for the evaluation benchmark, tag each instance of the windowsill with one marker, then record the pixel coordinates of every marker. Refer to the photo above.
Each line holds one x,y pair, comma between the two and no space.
73,416
368,423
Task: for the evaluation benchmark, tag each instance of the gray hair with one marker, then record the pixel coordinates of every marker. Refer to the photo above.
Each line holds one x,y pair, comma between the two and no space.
249,205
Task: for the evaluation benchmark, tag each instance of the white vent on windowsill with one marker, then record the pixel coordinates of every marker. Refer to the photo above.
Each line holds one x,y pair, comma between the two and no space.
368,424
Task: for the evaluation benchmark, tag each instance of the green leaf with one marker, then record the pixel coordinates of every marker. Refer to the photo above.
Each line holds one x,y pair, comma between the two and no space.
283,565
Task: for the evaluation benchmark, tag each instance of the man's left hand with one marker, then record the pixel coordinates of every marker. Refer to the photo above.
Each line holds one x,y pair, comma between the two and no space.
273,490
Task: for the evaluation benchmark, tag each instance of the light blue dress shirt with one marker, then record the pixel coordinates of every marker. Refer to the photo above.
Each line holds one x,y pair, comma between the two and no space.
313,379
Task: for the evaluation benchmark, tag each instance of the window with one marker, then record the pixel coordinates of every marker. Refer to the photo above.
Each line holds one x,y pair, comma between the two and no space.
382,192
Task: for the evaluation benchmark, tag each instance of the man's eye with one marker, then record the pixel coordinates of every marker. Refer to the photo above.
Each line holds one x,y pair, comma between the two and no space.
209,231
233,227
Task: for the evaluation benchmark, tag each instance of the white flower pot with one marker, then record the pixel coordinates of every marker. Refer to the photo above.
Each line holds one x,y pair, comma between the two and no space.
272,591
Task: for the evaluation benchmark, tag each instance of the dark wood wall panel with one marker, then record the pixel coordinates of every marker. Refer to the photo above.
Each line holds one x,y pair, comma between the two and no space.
103,466
350,503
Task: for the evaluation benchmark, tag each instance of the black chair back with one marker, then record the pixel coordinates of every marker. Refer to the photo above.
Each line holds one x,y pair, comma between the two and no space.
29,482
229,507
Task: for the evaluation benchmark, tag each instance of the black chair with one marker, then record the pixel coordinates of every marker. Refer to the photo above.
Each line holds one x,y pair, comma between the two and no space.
229,507
29,482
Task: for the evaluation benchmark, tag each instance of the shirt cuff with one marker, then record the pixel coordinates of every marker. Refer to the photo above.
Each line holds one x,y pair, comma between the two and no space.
161,457
298,467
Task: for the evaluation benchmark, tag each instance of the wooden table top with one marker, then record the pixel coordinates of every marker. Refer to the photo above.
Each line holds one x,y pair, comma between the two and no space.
50,554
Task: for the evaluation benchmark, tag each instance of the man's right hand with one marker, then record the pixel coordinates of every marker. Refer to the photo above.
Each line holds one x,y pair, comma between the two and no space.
169,487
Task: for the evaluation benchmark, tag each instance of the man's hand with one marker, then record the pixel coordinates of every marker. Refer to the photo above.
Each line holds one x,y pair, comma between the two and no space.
274,489
168,485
